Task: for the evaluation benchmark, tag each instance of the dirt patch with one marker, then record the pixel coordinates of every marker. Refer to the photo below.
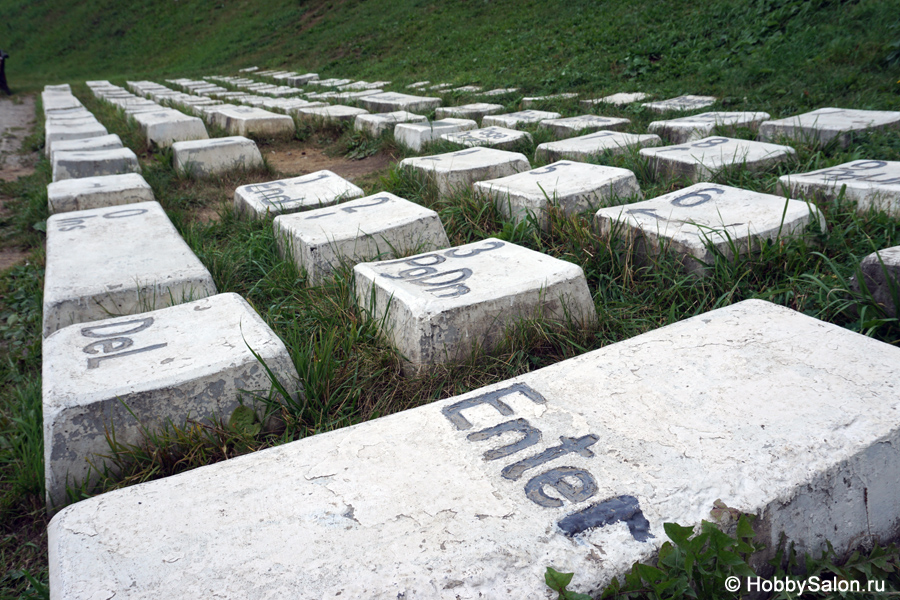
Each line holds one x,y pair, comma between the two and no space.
16,123
302,159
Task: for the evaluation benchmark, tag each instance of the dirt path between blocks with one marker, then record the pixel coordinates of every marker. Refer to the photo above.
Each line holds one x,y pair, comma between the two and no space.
16,123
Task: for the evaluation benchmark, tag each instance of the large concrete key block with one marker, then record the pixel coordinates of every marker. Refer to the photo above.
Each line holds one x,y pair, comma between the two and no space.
459,170
166,126
439,307
869,183
247,120
572,186
98,192
493,137
825,124
322,188
378,123
475,496
687,223
519,119
192,361
208,157
117,261
336,113
704,159
696,127
620,99
570,126
592,145
93,163
392,101
104,142
377,227
689,102
881,272
58,131
416,135
475,111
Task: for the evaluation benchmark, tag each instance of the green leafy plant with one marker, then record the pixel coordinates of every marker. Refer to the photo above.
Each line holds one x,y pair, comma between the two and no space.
559,581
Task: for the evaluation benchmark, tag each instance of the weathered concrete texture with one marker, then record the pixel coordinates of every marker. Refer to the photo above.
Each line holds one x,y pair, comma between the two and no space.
869,183
57,131
417,85
298,80
620,99
469,89
104,142
588,146
117,261
392,101
681,103
689,223
378,123
529,101
440,307
695,127
92,163
315,190
337,112
494,137
208,157
704,159
519,119
881,272
572,186
97,192
825,124
377,227
475,111
247,120
459,170
166,126
416,135
570,126
747,404
499,92
193,361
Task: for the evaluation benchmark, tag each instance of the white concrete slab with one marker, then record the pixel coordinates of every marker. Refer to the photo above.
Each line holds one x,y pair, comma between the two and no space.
493,137
573,187
869,183
688,223
92,163
393,101
459,170
416,135
166,126
437,308
688,102
217,155
298,80
696,127
377,227
378,123
825,124
881,273
467,89
746,404
589,146
522,118
97,192
337,113
315,190
248,120
122,260
703,159
475,111
530,101
571,126
620,99
57,132
500,92
104,142
417,85
193,361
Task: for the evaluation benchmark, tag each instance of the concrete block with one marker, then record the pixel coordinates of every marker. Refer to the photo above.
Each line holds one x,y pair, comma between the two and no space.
377,227
417,85
467,89
869,183
416,135
571,186
881,272
122,260
500,92
92,163
690,222
192,361
825,124
53,100
571,126
459,170
620,99
353,96
298,80
696,127
57,132
104,142
704,159
494,137
247,120
248,70
208,157
439,307
681,103
330,82
378,123
519,119
475,495
336,113
393,101
97,192
530,101
475,111
315,190
167,126
592,145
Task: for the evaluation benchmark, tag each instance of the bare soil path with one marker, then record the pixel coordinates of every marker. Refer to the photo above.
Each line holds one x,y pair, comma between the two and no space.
16,123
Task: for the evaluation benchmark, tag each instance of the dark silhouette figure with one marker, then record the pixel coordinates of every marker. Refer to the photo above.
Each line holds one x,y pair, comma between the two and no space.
3,86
